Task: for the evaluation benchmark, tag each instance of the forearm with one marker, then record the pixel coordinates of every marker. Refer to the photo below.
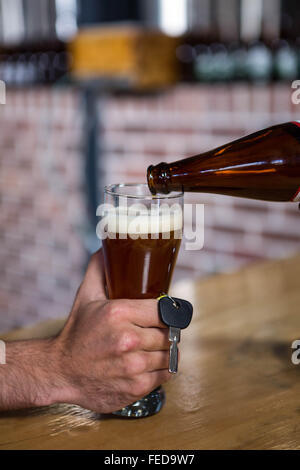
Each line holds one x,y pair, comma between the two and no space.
31,376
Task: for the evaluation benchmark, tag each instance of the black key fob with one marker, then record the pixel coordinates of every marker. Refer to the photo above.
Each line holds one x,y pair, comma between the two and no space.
175,312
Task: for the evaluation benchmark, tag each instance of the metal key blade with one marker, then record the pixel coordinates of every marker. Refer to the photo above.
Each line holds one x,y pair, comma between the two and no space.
174,337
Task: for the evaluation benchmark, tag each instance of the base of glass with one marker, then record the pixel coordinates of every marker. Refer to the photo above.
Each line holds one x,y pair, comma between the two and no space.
146,406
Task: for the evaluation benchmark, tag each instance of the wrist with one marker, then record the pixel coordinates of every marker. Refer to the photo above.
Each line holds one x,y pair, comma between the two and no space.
61,389
33,372
55,386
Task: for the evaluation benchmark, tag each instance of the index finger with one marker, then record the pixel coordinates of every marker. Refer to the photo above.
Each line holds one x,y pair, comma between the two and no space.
144,313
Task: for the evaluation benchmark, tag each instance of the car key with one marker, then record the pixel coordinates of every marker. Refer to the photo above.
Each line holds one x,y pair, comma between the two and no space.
177,315
174,337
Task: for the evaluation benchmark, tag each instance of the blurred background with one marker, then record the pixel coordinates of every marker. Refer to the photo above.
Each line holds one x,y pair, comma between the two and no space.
97,90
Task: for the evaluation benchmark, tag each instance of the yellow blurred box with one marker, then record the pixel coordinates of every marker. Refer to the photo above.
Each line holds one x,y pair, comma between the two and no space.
143,58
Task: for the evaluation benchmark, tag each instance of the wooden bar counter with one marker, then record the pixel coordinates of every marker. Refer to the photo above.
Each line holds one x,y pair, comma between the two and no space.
237,387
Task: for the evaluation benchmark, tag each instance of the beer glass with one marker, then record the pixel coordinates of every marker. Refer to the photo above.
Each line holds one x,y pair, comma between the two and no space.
141,239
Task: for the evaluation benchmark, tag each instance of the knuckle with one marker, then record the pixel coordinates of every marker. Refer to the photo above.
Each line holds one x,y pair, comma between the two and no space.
141,386
134,364
127,341
115,311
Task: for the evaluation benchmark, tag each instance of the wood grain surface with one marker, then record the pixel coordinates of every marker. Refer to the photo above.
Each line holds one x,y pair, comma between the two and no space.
236,387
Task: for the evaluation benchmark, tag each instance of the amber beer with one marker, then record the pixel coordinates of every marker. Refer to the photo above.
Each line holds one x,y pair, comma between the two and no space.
264,165
140,265
139,268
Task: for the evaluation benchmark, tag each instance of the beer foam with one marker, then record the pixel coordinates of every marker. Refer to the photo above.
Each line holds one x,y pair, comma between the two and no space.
144,222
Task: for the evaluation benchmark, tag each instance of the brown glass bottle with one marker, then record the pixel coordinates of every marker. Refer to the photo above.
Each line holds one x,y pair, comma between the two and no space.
264,165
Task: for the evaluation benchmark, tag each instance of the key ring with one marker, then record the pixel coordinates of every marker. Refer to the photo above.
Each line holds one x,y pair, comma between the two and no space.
169,297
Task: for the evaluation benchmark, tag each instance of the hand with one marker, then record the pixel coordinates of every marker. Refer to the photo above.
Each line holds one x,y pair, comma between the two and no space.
110,353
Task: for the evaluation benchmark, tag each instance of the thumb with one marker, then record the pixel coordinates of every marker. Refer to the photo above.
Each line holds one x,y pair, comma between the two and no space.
93,285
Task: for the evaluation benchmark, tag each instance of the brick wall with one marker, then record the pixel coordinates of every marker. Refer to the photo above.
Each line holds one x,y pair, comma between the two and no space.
189,120
42,197
41,205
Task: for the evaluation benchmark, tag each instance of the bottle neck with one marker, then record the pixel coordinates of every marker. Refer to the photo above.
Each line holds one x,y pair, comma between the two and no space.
158,178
